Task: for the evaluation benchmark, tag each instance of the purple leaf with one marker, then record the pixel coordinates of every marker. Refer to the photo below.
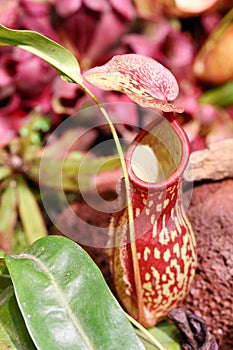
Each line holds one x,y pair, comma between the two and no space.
67,7
8,12
99,42
100,5
125,8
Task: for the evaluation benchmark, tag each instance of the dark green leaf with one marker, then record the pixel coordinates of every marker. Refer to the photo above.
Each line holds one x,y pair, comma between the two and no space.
65,301
56,55
13,332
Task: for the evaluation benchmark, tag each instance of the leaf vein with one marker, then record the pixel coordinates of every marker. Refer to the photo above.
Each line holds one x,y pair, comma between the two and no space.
61,297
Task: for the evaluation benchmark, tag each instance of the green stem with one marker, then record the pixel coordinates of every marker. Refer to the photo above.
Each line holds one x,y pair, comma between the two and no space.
137,278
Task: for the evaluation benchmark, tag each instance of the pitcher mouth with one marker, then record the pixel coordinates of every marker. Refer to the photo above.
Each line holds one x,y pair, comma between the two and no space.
159,154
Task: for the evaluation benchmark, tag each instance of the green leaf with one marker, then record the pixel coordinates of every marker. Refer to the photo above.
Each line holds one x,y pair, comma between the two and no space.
70,174
42,124
56,55
5,171
166,333
220,96
8,215
13,332
5,280
30,214
5,341
19,241
65,301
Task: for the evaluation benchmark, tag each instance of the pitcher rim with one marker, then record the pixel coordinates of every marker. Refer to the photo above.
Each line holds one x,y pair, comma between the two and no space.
177,174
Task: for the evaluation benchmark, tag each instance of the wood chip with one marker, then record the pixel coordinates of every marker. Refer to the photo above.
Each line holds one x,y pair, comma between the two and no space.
213,163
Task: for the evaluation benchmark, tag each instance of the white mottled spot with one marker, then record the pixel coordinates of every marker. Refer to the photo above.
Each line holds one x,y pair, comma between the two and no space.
172,214
164,236
147,286
156,275
165,203
164,277
147,276
184,247
170,282
154,230
146,253
157,253
160,195
173,189
167,255
150,203
174,263
147,299
176,250
152,219
147,211
173,235
164,221
159,207
138,211
139,255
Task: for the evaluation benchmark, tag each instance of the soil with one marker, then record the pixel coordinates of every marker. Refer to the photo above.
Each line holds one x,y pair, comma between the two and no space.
211,215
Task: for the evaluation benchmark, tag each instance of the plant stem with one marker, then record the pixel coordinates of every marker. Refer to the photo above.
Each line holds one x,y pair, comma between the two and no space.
137,278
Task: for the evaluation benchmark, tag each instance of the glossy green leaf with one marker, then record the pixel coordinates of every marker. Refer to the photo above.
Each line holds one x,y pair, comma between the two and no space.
8,215
30,214
13,332
166,333
65,301
56,55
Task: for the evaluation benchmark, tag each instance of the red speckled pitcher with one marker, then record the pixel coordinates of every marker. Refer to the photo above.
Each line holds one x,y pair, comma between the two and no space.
164,244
